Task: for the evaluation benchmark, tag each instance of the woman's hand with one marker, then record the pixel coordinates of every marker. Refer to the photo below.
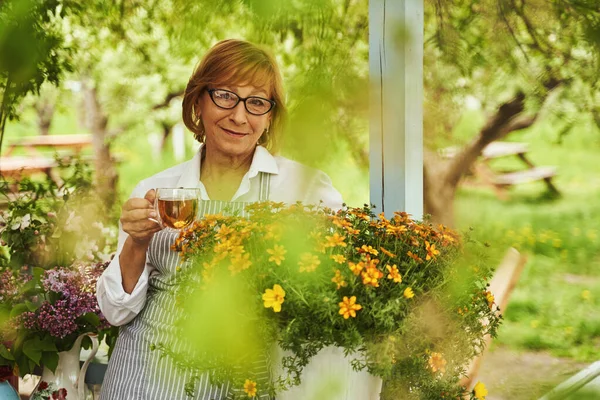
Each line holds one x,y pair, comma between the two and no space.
135,218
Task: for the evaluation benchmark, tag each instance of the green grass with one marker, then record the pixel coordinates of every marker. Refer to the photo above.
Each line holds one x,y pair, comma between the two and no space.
556,304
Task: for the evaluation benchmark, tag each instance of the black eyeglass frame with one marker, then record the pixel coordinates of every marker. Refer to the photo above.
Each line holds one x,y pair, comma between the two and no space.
242,99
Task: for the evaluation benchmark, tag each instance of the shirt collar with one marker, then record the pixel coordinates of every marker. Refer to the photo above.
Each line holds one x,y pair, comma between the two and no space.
262,161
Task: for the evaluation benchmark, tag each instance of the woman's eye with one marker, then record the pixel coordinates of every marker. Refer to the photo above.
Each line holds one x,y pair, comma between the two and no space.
257,102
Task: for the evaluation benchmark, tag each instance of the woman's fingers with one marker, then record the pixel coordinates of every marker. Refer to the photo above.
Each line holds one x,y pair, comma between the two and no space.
139,219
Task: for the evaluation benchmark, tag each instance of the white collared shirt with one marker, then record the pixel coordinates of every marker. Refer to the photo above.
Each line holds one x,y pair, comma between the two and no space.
290,182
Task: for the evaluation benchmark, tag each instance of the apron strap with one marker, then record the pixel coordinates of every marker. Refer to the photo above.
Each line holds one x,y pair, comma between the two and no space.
264,186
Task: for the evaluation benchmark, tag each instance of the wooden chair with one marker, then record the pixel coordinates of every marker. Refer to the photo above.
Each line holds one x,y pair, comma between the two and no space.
502,284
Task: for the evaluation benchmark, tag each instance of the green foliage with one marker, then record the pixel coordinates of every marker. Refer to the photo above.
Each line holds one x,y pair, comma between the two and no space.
32,49
488,51
44,224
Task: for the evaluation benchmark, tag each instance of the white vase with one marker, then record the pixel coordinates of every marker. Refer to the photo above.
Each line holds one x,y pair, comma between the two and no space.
68,374
329,375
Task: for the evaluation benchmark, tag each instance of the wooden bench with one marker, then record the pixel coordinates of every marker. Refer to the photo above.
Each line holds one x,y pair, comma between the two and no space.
501,181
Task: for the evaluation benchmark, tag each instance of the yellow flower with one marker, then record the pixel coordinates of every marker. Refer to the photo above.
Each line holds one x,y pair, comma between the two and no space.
335,240
367,249
274,298
431,251
239,263
408,293
371,275
277,254
338,279
348,307
437,362
394,273
490,298
338,258
224,231
480,391
250,388
585,294
356,268
308,262
273,232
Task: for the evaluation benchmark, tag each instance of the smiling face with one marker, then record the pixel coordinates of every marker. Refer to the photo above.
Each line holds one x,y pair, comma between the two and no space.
232,133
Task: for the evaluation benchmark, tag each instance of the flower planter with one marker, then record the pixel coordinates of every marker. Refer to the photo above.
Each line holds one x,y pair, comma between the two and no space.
68,379
330,375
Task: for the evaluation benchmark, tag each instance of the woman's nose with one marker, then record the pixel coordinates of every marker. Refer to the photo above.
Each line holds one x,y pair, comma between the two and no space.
238,114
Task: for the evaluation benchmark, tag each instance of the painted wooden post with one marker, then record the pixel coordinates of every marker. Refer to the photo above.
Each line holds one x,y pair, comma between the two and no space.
396,126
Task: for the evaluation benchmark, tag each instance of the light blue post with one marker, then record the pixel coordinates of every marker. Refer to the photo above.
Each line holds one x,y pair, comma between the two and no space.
396,116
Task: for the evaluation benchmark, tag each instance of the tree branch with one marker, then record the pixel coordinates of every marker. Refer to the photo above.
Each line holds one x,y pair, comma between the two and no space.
170,96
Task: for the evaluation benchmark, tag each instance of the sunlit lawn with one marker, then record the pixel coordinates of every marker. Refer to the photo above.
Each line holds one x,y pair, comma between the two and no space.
556,304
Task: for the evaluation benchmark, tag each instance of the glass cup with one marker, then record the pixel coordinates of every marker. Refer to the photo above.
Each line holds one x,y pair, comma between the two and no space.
176,208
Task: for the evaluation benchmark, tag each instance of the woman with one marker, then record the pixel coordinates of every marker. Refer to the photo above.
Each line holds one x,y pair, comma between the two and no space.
234,105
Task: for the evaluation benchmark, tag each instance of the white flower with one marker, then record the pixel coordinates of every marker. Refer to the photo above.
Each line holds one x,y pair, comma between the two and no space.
21,222
73,223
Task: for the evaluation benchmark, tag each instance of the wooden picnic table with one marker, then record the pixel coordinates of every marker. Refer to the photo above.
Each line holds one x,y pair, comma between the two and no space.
37,159
35,144
500,181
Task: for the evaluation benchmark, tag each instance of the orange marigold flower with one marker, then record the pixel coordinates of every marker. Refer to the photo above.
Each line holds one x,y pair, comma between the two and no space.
431,251
335,240
338,258
338,279
408,293
250,388
356,267
414,256
395,229
394,273
348,307
341,222
437,362
371,276
277,254
387,253
352,231
308,262
367,249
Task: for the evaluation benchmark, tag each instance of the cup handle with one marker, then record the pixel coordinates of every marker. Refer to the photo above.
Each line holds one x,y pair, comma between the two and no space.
80,383
155,205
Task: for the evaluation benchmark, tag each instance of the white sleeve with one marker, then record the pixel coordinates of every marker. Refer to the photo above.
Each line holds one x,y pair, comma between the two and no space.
118,306
321,189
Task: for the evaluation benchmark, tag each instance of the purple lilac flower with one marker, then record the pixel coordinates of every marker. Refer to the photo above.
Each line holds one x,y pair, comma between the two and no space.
77,289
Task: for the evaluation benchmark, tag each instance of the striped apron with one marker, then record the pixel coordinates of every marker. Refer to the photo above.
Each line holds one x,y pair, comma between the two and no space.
137,373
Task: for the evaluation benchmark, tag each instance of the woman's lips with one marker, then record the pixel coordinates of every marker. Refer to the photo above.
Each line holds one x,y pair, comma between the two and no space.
234,133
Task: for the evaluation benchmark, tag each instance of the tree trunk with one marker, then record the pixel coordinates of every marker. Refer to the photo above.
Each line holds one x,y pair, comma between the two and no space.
97,122
44,108
442,177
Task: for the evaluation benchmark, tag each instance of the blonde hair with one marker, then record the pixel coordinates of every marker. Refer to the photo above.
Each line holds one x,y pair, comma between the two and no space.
236,62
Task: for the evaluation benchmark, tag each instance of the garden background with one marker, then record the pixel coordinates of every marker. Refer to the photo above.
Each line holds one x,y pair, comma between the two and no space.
514,70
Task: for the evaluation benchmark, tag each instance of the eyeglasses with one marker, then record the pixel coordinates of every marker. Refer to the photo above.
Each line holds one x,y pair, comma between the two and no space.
228,100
